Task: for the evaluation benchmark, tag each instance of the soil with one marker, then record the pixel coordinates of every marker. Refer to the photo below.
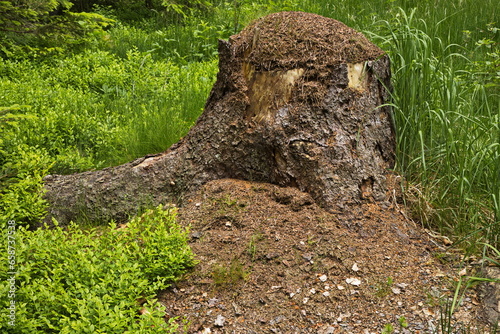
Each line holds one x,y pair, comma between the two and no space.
288,40
273,261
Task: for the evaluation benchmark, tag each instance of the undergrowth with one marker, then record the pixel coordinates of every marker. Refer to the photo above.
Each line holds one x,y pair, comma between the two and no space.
448,129
137,86
71,280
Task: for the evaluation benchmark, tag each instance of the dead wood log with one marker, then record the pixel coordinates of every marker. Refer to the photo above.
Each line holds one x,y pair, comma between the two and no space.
300,100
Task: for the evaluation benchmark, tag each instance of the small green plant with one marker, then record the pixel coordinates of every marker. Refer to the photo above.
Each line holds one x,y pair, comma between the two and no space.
228,201
388,329
253,244
403,322
383,289
228,206
71,280
230,276
311,240
448,308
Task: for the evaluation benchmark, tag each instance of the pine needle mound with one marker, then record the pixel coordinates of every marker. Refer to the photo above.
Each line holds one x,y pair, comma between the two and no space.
288,40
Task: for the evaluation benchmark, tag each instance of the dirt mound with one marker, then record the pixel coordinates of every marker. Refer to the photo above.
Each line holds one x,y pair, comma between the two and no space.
271,260
288,40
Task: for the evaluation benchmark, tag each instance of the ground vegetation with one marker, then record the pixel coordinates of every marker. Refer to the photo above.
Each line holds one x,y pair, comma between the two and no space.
86,85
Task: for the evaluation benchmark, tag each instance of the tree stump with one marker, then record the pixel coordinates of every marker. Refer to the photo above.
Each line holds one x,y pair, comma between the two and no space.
300,100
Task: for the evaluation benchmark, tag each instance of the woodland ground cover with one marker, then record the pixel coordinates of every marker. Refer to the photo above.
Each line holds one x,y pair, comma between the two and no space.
137,85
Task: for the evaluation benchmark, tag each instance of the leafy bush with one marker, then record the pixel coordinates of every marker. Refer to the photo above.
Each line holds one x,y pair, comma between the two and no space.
21,171
87,108
21,187
89,111
88,281
39,28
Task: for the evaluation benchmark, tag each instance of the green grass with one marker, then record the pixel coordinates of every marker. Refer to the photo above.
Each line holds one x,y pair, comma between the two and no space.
448,133
97,105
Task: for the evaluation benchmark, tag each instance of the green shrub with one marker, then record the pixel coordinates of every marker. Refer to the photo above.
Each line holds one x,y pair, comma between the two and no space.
21,170
21,186
46,27
88,281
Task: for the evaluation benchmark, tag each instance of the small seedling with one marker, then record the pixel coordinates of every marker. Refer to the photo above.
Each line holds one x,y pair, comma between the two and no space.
252,245
226,277
388,329
403,322
383,289
229,201
311,241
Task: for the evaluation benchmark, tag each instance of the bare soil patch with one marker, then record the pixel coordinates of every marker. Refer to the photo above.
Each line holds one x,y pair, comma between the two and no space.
272,261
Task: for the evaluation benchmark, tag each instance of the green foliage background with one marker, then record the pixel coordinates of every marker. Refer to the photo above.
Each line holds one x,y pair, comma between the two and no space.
30,28
142,71
90,84
139,79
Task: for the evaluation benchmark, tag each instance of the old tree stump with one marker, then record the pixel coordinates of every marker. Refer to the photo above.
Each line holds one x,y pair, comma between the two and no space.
299,101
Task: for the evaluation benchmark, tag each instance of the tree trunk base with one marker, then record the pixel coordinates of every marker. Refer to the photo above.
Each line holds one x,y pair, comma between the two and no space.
300,100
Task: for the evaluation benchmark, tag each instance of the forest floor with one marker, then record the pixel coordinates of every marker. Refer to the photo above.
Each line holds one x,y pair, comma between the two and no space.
272,261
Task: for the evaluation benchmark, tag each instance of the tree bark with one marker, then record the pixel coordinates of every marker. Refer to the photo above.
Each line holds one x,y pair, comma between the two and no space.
300,100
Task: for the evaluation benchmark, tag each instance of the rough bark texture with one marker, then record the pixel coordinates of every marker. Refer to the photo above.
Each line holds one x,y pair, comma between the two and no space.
298,101
490,296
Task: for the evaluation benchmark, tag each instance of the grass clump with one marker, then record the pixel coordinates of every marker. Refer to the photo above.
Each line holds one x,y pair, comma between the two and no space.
71,280
447,123
225,276
383,288
253,244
